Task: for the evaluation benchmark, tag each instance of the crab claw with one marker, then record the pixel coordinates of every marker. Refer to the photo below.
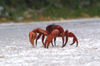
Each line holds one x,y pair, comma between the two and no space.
32,36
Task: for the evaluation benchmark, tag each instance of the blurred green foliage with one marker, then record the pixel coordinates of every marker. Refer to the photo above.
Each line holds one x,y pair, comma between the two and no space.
48,9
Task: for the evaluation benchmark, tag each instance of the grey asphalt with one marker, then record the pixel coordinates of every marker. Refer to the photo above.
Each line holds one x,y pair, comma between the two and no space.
16,50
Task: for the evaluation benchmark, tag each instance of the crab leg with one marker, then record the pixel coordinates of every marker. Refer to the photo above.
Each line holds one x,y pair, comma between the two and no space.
62,39
70,34
52,44
49,38
43,40
66,34
38,37
55,41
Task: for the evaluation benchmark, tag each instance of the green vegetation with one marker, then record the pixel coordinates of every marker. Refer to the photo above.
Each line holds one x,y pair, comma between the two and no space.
36,10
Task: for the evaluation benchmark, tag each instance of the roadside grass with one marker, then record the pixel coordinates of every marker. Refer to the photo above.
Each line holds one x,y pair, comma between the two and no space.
52,13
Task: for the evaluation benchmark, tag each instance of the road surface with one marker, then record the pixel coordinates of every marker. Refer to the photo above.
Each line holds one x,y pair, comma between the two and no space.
16,50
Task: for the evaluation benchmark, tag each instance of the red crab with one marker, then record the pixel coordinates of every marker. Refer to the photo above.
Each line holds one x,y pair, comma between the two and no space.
52,31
